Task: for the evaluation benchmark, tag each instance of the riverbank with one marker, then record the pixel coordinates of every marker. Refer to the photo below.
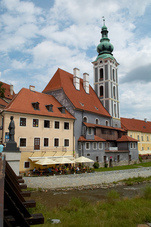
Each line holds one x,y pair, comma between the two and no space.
86,179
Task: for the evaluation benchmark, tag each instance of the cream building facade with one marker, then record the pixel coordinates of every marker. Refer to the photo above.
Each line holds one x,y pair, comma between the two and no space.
43,134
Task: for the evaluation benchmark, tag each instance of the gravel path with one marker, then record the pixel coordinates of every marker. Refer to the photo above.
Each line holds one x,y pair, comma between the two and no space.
85,179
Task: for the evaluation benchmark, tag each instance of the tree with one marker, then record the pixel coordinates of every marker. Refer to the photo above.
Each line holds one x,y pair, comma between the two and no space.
2,90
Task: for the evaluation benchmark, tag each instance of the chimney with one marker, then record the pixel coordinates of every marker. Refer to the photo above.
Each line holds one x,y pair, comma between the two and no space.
86,82
11,89
76,78
145,119
31,88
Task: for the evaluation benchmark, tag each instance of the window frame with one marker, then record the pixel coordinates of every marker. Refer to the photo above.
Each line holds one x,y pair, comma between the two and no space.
89,132
25,122
86,145
25,165
47,121
47,142
55,124
65,140
95,148
54,141
66,122
33,123
101,146
20,142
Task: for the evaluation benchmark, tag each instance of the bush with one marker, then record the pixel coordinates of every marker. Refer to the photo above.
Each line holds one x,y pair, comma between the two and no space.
106,165
140,158
96,165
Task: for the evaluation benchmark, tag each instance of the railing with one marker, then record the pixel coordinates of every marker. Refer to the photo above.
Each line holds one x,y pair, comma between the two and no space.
45,149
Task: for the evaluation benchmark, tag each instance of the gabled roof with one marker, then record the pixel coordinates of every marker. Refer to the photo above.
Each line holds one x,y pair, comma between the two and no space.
3,102
7,91
96,139
136,125
102,126
79,98
22,103
126,138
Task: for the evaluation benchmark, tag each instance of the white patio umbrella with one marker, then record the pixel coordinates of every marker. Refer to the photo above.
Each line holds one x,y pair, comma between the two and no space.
83,159
63,160
45,161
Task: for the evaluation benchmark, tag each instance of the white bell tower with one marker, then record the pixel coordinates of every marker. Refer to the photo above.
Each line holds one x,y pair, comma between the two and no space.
106,77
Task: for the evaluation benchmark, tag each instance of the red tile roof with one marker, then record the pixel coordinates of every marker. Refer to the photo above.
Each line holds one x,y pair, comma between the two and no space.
3,103
102,126
96,139
22,103
7,91
79,98
126,138
136,125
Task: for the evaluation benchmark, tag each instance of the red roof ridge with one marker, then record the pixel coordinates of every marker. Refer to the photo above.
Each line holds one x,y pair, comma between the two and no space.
126,138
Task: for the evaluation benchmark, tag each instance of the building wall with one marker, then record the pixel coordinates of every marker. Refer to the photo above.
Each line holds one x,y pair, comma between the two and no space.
29,132
144,143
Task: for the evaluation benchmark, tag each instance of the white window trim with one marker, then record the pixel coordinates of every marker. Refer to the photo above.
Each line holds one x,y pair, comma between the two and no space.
79,147
64,142
22,125
64,125
54,142
107,123
88,131
86,118
34,143
54,124
38,123
22,138
131,145
44,141
49,123
101,146
94,148
96,120
86,147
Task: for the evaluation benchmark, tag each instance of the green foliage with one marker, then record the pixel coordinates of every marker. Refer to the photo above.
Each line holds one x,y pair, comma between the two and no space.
2,90
96,165
134,180
112,196
147,193
140,158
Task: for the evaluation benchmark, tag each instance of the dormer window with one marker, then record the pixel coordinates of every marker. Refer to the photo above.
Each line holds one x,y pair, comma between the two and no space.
49,107
35,105
62,109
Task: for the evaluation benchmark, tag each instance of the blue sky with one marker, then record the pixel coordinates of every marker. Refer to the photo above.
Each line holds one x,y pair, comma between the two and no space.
39,36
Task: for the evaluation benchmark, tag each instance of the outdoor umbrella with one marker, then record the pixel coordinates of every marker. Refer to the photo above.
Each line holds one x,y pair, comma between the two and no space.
45,161
63,160
83,159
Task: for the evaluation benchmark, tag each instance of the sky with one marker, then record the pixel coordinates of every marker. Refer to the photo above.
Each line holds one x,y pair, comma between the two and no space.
39,36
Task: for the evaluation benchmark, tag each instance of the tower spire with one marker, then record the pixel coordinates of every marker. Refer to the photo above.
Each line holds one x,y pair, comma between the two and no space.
103,18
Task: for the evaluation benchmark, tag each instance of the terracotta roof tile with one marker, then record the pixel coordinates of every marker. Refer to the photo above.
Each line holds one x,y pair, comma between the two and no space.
7,91
126,138
96,139
79,98
22,103
102,126
3,103
136,125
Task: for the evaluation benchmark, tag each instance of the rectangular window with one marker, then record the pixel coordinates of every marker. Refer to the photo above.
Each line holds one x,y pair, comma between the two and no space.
26,164
131,145
66,125
22,142
56,142
134,145
142,148
138,137
94,146
148,148
100,145
36,143
142,138
147,138
66,143
46,142
35,122
79,145
22,121
131,136
89,131
46,124
57,124
87,146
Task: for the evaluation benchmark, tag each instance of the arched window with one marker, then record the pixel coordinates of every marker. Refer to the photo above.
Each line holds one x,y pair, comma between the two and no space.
107,123
113,74
114,93
101,91
101,74
115,110
85,119
97,121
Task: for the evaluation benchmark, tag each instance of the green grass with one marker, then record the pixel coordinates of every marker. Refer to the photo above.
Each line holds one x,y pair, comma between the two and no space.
143,164
134,180
115,211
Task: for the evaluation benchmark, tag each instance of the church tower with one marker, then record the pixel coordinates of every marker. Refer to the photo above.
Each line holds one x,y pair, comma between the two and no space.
106,77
